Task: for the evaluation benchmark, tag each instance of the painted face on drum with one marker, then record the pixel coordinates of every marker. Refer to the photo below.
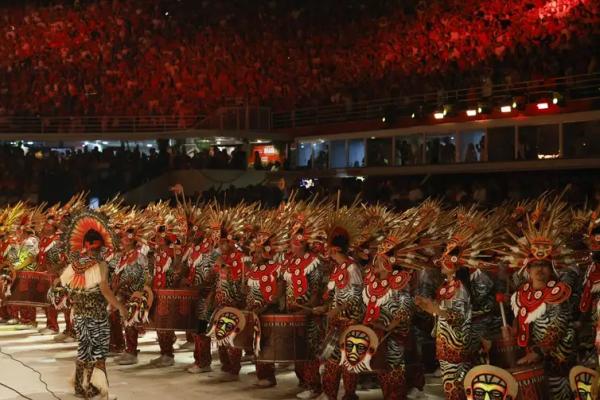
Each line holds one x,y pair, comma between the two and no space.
356,347
226,324
584,391
489,391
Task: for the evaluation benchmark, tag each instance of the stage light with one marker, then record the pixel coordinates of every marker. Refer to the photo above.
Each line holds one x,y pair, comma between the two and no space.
383,119
471,113
558,99
413,115
438,115
479,110
542,106
506,109
514,104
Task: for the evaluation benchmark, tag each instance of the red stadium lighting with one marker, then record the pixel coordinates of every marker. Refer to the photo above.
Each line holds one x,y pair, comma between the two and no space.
542,106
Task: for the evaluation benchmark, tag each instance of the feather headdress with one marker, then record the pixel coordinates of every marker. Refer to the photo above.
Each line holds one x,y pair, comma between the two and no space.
83,223
544,237
471,242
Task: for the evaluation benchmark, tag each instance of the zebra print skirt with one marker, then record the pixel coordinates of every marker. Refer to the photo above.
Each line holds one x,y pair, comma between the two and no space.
94,337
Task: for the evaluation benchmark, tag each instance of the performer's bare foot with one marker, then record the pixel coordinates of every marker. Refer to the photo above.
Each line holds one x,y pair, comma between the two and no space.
47,331
307,394
126,359
163,361
195,369
265,383
227,377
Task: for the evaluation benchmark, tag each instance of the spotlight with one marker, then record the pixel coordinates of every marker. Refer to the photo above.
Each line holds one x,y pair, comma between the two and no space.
438,115
506,109
413,115
519,103
471,113
383,119
542,105
483,108
557,99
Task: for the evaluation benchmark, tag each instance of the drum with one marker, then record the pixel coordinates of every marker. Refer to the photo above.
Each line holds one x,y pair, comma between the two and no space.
283,338
232,327
174,309
505,352
362,351
532,382
30,288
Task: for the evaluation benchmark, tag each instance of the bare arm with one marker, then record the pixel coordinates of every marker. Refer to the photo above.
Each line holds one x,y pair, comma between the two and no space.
108,293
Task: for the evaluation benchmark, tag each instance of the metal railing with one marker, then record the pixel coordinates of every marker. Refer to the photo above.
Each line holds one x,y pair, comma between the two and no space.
574,87
239,118
97,124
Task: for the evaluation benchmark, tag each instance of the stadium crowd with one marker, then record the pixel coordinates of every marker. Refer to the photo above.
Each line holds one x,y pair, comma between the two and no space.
184,57
54,177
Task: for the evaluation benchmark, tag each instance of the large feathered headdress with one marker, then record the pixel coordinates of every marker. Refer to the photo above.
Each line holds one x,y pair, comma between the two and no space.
9,217
471,242
544,237
82,224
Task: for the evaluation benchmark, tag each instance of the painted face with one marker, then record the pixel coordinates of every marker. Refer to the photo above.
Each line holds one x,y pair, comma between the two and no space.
92,245
541,250
488,391
584,391
226,324
356,347
540,272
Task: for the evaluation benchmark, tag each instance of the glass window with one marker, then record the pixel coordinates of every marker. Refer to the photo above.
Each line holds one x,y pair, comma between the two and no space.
338,154
581,139
304,155
538,142
409,150
440,149
501,144
321,154
356,153
379,152
471,145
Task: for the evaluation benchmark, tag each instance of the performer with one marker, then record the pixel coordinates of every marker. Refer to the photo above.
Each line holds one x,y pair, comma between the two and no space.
590,297
200,257
304,288
468,246
86,277
8,220
230,270
50,258
166,255
131,275
22,257
345,306
389,304
540,305
264,282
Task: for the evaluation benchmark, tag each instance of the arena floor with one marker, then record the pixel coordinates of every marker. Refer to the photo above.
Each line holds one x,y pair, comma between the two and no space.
55,362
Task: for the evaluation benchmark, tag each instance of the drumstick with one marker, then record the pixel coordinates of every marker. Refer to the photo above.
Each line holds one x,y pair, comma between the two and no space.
503,315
